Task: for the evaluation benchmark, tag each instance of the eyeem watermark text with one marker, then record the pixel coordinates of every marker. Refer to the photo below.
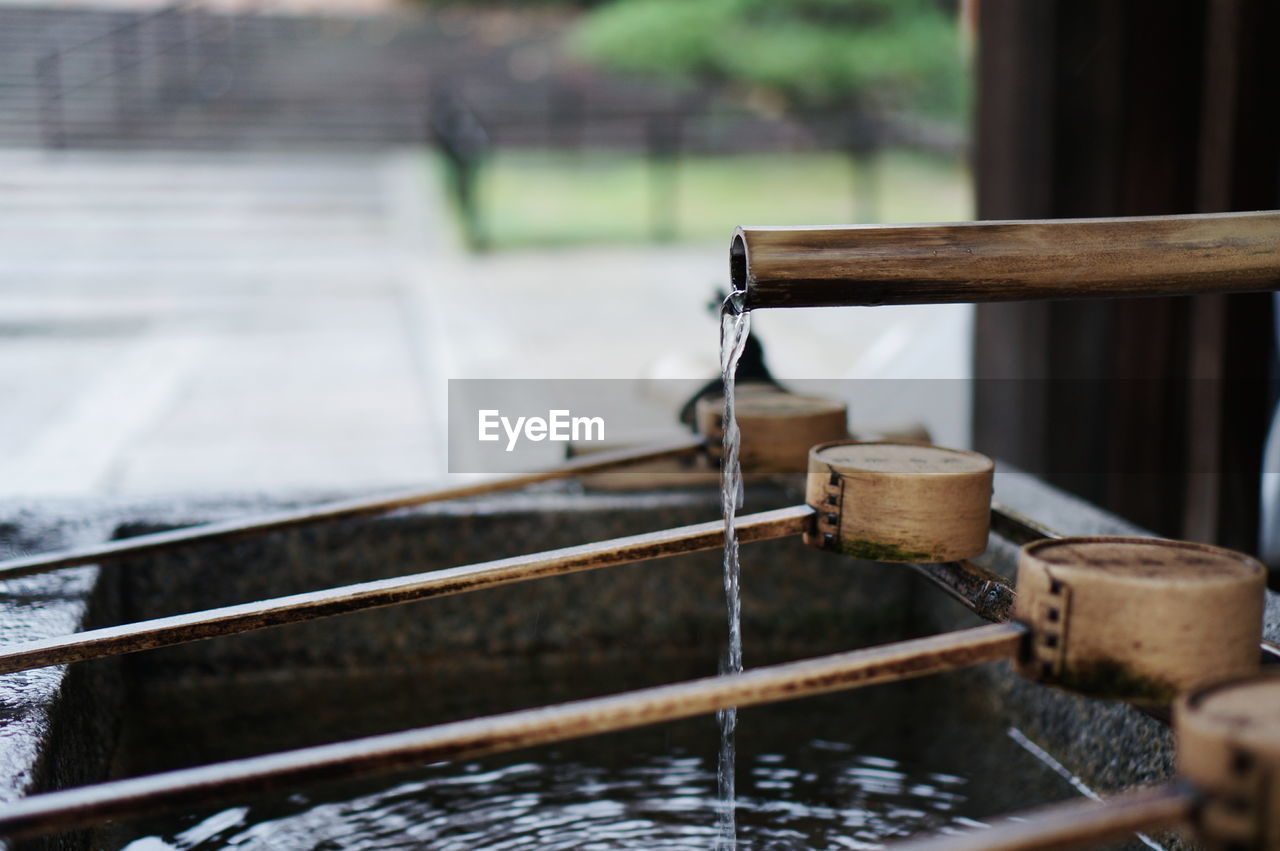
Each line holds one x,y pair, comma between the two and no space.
559,425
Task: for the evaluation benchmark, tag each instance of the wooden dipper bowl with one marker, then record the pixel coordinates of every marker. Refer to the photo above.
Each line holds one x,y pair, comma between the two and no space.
1229,750
777,428
901,502
1139,619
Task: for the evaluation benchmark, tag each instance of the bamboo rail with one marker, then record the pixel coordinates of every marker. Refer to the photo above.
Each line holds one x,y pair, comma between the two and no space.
1018,527
989,595
228,530
984,592
261,614
1005,260
1072,825
87,805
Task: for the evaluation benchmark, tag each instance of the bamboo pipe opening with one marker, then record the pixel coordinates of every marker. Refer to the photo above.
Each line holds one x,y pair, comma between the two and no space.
737,273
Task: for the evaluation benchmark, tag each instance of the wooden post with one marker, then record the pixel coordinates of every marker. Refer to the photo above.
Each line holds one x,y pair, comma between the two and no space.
1145,107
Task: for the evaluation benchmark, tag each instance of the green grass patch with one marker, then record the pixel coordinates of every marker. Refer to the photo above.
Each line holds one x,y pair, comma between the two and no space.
548,198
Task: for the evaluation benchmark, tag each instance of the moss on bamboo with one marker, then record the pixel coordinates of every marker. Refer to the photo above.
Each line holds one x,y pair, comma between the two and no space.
880,551
1108,678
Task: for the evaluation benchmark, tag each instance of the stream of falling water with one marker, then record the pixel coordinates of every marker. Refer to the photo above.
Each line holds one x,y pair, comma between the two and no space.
735,325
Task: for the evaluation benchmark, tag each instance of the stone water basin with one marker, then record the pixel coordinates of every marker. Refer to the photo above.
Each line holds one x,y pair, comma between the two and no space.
842,771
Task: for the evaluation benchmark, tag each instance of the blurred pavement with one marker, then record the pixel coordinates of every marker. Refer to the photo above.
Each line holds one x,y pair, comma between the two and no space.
246,322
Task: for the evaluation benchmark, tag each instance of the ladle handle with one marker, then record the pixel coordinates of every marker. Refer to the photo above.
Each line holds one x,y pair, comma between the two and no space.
1076,824
1006,261
200,787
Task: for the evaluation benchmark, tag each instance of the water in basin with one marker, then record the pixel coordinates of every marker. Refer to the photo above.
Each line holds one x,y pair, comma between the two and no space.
842,771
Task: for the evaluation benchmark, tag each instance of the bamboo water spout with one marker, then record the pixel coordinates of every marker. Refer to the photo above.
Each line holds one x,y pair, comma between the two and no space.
1005,261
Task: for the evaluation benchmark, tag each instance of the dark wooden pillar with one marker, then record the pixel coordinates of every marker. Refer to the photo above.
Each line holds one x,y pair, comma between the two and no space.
1156,408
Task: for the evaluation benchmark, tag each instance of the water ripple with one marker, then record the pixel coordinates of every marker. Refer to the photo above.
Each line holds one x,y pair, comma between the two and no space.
660,802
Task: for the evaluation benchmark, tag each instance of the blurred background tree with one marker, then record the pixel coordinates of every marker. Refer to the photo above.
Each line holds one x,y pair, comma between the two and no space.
861,74
812,55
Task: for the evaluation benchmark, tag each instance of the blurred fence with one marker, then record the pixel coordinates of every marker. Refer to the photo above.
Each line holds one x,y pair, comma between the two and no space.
135,73
102,77
190,76
186,75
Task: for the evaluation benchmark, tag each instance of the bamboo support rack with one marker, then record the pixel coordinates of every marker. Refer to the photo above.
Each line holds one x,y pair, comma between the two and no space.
1023,641
1012,640
984,592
